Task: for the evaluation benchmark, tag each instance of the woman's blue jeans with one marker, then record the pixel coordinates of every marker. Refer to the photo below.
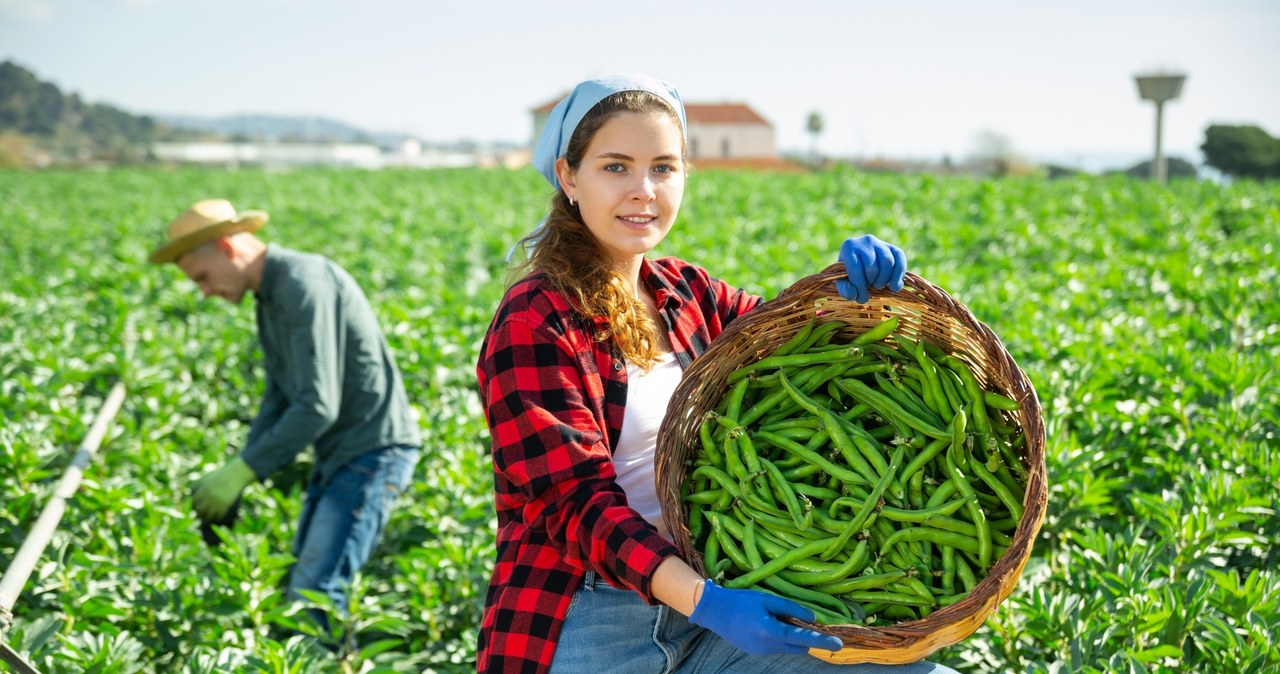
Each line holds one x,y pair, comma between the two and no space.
612,631
343,519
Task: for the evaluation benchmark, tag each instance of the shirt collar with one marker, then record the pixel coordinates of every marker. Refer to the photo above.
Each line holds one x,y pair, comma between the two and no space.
663,292
270,270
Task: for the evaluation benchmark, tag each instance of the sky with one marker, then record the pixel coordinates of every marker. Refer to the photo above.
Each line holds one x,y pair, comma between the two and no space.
917,79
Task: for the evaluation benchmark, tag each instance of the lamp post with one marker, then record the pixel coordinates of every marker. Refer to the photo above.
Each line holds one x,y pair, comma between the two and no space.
1158,88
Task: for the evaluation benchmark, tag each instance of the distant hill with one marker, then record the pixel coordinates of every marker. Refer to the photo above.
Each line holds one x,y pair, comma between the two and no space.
270,127
39,124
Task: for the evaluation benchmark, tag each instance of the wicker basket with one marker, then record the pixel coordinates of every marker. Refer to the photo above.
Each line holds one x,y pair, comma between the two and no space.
926,313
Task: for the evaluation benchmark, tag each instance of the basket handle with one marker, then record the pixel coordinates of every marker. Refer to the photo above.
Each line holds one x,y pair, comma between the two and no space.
823,284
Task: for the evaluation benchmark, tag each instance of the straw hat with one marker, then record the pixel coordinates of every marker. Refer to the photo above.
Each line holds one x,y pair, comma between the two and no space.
206,221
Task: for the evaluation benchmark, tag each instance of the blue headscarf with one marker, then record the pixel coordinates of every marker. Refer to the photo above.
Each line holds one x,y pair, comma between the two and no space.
568,113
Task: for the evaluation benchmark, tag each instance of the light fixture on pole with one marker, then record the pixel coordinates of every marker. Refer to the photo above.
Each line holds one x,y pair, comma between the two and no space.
1158,88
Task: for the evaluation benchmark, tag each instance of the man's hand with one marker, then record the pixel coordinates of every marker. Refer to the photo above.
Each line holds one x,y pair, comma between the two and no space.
216,491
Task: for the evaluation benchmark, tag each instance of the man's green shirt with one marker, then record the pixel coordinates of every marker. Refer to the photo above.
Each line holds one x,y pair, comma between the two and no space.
331,379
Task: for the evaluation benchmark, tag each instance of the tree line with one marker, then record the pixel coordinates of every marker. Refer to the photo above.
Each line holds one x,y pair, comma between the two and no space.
38,120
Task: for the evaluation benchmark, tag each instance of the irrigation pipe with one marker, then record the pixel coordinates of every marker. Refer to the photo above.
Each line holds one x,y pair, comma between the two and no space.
15,577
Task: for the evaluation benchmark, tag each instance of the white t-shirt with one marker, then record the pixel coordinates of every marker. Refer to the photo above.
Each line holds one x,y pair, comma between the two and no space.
647,397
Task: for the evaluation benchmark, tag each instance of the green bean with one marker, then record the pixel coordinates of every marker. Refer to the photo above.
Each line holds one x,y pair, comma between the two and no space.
819,440
853,564
749,544
797,424
749,455
812,382
1011,459
881,433
941,405
870,449
965,574
793,360
711,553
733,464
1001,491
1000,402
981,420
949,382
736,394
950,539
770,403
880,331
889,409
911,585
760,573
835,429
843,474
915,491
1001,471
940,494
695,520
774,543
727,545
805,470
708,444
797,339
919,516
783,490
907,347
864,582
808,597
780,522
962,527
856,524
821,493
979,520
881,597
704,497
758,497
955,451
797,434
923,458
948,569
899,614
718,476
907,399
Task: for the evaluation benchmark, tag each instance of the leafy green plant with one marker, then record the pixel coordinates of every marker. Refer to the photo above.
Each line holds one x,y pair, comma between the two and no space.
1145,316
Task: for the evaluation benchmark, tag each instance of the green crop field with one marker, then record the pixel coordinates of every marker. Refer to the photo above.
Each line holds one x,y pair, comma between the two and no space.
1147,317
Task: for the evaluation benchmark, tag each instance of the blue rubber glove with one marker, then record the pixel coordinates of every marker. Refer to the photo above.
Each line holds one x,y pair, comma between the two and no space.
749,619
870,263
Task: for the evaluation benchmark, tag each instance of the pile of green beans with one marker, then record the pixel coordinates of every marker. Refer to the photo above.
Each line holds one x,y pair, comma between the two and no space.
872,480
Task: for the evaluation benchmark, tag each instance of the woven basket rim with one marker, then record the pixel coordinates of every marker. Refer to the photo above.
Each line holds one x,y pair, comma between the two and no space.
919,303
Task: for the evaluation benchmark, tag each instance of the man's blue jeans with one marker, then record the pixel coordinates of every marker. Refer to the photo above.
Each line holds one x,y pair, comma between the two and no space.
342,521
612,631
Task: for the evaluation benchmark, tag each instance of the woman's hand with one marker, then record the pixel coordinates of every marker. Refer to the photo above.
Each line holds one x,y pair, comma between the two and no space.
752,621
870,263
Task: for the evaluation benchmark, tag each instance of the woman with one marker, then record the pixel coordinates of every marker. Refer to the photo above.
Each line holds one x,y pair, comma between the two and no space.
576,371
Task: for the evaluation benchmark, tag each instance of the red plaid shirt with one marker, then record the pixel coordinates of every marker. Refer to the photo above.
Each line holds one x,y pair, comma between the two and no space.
554,400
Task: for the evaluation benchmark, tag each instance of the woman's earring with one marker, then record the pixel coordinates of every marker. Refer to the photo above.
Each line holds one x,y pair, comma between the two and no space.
571,202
